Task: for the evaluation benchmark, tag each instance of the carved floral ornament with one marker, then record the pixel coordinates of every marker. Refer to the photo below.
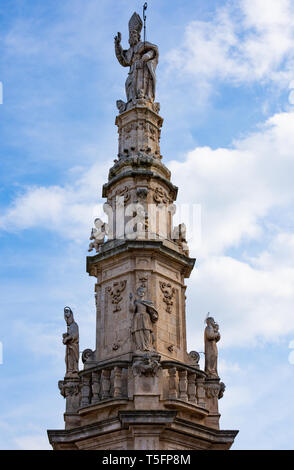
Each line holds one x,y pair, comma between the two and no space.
115,292
168,294
161,197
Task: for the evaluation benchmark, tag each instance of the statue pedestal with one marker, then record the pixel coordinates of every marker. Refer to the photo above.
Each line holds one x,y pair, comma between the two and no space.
139,130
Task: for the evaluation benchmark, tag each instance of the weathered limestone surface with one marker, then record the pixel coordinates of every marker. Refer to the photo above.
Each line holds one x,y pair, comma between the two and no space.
140,388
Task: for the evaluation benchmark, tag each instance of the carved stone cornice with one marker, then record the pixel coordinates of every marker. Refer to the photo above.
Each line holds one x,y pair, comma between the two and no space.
117,247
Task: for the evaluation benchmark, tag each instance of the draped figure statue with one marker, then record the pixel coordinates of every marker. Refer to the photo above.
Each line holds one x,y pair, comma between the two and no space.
142,58
211,337
71,341
145,314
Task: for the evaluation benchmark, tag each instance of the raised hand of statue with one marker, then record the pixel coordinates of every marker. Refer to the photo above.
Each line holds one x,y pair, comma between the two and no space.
117,38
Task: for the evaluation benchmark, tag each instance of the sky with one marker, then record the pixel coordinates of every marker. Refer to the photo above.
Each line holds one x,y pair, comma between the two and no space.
226,88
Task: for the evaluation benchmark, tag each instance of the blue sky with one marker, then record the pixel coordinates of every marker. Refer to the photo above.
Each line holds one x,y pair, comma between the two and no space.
225,78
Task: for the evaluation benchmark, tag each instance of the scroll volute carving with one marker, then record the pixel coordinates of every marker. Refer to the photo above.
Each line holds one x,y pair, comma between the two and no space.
168,294
161,197
125,193
115,292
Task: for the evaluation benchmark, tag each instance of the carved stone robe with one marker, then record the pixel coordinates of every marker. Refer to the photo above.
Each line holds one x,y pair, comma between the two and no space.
72,349
211,337
145,315
140,77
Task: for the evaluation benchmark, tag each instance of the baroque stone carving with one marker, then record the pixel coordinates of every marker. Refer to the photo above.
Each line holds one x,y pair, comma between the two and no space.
212,390
211,337
143,281
69,388
179,236
125,193
160,196
194,358
142,58
221,390
145,314
147,365
98,235
87,355
115,292
142,193
71,341
168,294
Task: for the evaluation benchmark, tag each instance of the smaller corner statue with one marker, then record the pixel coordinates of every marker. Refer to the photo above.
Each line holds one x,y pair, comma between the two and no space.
145,314
142,58
71,341
211,337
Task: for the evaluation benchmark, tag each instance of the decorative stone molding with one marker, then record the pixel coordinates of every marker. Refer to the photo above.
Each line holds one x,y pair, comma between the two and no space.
125,193
87,356
194,358
143,282
221,390
179,236
98,235
142,193
168,294
69,388
115,292
215,389
212,390
147,365
161,197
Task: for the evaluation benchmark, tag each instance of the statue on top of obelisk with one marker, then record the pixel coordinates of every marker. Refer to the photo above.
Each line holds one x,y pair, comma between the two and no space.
142,58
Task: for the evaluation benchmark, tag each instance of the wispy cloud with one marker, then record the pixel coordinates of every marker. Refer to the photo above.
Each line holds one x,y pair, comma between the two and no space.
247,41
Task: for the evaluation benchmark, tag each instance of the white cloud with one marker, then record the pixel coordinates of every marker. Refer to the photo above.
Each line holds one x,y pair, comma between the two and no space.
238,186
67,210
251,293
247,41
252,305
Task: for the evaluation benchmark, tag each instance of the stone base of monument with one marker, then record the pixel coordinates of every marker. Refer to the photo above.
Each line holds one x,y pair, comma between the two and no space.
145,404
143,430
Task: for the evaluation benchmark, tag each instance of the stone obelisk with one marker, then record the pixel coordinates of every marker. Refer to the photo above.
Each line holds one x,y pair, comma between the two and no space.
140,388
